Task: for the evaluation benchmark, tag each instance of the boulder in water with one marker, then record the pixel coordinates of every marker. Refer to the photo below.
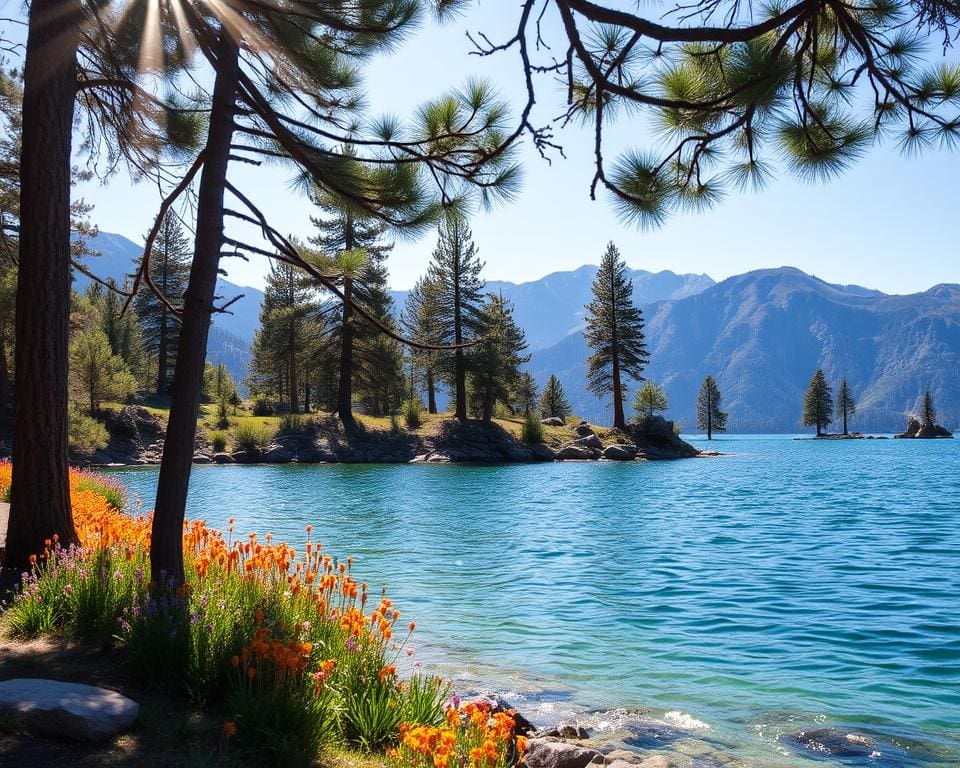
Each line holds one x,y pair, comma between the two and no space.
918,430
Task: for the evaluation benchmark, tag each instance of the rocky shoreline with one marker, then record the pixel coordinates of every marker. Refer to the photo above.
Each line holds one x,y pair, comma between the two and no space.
136,438
626,738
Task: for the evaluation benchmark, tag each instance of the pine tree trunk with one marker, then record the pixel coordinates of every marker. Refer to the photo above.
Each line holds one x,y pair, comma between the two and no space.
306,396
162,356
710,424
431,392
345,387
166,551
845,421
162,341
619,422
487,408
4,386
40,493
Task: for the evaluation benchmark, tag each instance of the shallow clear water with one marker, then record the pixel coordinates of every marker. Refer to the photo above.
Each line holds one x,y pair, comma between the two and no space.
791,584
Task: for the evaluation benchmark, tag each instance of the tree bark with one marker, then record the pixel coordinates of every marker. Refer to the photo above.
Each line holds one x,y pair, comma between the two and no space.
162,340
166,551
431,392
40,493
345,386
4,386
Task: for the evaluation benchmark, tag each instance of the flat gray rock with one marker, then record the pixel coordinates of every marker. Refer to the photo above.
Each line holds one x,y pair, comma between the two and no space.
66,710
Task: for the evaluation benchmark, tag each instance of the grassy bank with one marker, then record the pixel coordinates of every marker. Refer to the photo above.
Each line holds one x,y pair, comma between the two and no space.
266,656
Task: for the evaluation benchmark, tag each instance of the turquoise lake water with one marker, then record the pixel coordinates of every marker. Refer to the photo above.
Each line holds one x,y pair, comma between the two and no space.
791,584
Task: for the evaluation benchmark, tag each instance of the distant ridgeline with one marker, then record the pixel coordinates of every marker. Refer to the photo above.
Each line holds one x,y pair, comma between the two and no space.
759,335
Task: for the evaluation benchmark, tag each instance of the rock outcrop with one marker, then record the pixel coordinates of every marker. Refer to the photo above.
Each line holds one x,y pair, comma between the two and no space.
655,438
136,437
918,430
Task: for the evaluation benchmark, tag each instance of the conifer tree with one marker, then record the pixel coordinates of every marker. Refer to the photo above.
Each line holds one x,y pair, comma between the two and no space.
355,248
525,395
454,274
553,402
495,363
419,323
280,350
122,329
615,334
818,403
709,416
846,405
169,269
96,373
928,413
649,400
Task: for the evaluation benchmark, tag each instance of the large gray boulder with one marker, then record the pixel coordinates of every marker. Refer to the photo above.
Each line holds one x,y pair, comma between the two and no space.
553,753
583,429
66,710
590,441
553,421
619,452
576,453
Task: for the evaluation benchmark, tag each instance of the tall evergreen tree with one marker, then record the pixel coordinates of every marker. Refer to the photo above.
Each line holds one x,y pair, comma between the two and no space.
649,400
818,403
96,373
846,405
281,345
709,416
526,395
495,363
419,322
122,329
553,401
169,269
454,274
615,334
928,414
354,243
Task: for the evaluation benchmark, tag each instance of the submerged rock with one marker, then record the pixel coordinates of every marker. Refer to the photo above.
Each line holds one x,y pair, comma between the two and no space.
831,742
66,710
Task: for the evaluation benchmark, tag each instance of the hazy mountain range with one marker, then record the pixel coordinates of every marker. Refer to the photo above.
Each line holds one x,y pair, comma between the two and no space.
761,335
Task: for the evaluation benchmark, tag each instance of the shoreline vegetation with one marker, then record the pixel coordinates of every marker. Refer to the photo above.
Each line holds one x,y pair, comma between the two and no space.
136,438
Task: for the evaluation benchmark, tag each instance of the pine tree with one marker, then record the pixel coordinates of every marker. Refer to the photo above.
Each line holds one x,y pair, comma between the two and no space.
454,274
96,373
709,416
553,402
615,334
649,400
122,329
169,270
928,412
525,395
495,363
818,403
419,322
280,349
354,247
846,406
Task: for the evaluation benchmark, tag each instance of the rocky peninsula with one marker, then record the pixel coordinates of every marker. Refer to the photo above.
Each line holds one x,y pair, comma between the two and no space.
136,438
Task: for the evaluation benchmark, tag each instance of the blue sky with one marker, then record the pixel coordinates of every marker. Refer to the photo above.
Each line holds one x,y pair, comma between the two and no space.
890,222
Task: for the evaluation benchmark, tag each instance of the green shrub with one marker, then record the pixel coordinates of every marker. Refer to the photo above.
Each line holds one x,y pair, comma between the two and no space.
218,438
262,408
85,434
413,413
296,424
532,430
372,716
250,437
424,698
